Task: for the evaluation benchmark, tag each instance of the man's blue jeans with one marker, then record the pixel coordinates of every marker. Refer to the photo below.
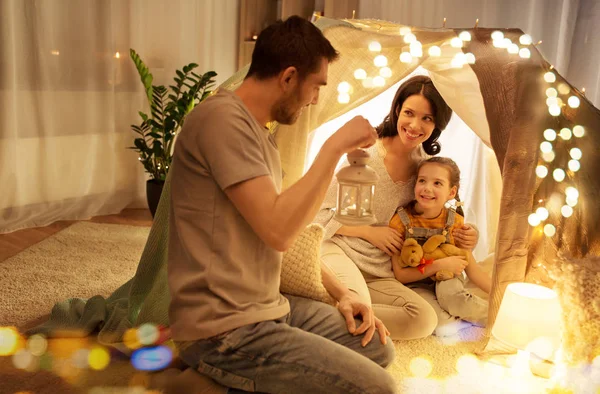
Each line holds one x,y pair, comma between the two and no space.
308,351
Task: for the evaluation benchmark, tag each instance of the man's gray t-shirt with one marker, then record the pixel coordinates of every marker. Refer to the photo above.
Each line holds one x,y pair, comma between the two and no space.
221,274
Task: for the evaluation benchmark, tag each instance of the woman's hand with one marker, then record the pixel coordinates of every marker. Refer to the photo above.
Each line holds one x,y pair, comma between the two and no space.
466,237
385,238
454,264
350,305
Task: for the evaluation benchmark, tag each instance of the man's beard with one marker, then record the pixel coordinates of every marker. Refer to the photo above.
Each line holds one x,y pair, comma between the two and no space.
284,113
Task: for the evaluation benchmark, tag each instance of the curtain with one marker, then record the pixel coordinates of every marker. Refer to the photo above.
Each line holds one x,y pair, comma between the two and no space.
69,93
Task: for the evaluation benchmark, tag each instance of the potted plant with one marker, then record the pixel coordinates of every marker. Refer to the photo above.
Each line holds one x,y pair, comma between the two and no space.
168,108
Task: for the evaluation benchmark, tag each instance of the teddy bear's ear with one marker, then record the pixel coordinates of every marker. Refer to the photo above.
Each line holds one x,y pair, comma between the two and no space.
411,242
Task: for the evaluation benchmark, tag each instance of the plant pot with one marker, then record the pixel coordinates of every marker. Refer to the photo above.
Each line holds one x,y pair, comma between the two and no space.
153,191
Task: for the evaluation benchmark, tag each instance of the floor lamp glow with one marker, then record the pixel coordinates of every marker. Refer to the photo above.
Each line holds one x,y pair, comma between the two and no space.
529,320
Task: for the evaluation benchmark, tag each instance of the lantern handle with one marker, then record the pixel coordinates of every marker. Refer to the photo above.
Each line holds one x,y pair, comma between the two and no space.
358,157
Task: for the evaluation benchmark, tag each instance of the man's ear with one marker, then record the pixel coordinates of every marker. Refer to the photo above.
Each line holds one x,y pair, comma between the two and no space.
288,78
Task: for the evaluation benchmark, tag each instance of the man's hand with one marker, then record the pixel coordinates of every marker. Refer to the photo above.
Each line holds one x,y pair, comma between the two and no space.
350,306
466,237
385,238
356,133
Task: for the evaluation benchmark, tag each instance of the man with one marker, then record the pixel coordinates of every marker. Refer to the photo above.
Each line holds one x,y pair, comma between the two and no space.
230,221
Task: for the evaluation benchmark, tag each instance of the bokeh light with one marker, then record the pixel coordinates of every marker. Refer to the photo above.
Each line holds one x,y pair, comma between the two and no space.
9,339
420,367
99,358
151,358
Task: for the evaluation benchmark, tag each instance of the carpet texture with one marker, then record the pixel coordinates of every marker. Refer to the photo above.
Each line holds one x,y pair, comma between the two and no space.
106,256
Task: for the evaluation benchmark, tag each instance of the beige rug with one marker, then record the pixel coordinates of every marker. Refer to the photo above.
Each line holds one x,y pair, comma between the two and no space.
89,258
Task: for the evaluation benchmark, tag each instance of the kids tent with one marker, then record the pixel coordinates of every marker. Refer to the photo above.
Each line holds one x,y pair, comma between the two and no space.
502,88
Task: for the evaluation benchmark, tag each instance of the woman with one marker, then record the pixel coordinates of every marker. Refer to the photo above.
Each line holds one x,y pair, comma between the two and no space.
360,255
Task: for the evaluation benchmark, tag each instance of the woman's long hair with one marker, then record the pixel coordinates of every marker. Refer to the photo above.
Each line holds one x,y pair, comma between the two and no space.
422,85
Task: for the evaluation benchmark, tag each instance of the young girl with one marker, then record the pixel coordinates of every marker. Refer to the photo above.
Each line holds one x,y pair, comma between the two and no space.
438,181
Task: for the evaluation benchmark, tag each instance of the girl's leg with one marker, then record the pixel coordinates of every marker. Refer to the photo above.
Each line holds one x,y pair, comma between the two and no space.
345,270
405,313
459,302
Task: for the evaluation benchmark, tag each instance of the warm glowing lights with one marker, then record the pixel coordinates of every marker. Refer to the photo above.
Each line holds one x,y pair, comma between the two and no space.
409,37
541,171
571,201
367,82
435,51
420,367
130,339
548,156
98,358
148,334
380,61
565,133
550,77
374,46
563,88
554,110
533,220
343,98
379,81
551,92
23,359
117,55
406,57
574,165
456,42
343,87
542,213
416,49
566,211
525,39
458,60
385,72
465,36
360,74
550,134
558,174
513,49
550,101
575,153
80,358
573,102
37,344
55,52
404,30
497,35
470,58
467,364
578,131
549,230
9,339
546,147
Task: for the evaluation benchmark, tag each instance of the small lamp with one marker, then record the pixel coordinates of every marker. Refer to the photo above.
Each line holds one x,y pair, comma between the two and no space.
529,320
356,190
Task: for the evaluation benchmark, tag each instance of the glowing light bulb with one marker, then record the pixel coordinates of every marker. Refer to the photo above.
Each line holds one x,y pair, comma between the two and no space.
542,213
551,92
578,131
549,230
558,175
343,98
566,211
550,77
420,367
385,72
465,36
435,51
574,165
456,42
525,39
367,82
343,87
571,192
406,57
9,339
470,58
409,37
37,345
507,42
554,110
23,359
98,358
416,49
497,35
575,153
541,171
525,53
550,134
379,81
533,220
360,74
548,156
380,61
565,134
404,30
513,49
546,147
571,201
458,60
563,88
573,102
374,46
550,101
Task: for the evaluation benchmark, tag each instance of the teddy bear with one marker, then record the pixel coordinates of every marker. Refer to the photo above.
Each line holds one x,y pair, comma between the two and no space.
414,255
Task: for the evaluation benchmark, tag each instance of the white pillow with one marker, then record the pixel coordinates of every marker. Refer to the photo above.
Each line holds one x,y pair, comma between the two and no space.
301,266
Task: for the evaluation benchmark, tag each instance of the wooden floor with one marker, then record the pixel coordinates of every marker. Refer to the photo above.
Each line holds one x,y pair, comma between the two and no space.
13,243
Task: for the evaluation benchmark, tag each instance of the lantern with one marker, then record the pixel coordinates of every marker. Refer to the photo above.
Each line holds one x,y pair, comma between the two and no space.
356,190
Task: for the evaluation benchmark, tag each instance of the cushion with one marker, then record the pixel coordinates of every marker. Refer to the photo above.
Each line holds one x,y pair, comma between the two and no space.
301,266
